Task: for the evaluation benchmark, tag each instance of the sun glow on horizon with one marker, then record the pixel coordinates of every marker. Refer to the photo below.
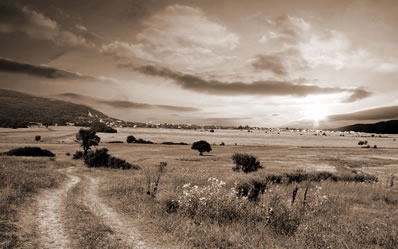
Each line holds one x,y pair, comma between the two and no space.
315,111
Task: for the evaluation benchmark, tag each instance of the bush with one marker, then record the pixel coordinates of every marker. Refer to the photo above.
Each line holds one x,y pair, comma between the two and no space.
117,163
201,146
252,189
173,143
222,144
130,139
67,154
115,142
78,155
37,138
245,162
142,141
30,151
101,158
101,127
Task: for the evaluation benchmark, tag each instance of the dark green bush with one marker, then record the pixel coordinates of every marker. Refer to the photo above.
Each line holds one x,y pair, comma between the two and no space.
30,151
130,139
173,143
251,189
117,163
245,162
142,141
101,127
78,155
37,138
101,158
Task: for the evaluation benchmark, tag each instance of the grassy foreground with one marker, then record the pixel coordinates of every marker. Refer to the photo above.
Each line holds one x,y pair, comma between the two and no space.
204,212
20,179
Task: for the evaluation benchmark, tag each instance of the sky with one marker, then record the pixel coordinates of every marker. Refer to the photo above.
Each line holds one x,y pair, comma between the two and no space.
314,63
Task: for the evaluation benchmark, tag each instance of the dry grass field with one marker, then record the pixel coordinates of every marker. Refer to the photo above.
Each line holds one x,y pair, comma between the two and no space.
196,204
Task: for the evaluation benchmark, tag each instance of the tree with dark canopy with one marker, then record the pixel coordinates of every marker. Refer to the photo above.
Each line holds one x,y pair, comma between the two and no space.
87,138
201,146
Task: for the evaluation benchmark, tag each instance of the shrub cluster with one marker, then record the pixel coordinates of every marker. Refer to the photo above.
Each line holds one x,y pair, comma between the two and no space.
30,151
214,203
245,162
142,141
253,188
101,158
211,203
173,143
78,155
130,139
115,142
101,127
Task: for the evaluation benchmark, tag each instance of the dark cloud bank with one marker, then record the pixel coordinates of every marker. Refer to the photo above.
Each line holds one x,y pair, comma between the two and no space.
122,104
381,113
10,66
265,87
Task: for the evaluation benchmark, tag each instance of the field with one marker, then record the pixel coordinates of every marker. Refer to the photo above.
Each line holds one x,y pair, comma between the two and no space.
196,206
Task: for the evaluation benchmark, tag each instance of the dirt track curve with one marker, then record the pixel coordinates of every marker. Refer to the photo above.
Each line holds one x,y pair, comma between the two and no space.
49,216
51,212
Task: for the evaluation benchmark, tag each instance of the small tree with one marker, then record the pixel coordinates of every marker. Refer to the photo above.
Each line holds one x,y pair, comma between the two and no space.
37,138
201,146
245,162
87,138
131,139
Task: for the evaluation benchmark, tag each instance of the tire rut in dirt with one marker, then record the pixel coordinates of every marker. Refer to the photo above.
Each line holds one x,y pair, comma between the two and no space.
50,216
123,228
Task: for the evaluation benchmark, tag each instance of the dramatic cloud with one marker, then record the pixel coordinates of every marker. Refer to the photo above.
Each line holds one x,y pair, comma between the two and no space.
82,99
314,48
265,87
178,37
35,25
358,94
280,62
382,113
9,66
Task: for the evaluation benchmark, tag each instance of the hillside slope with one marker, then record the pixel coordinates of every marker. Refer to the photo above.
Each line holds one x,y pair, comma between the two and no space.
386,127
18,109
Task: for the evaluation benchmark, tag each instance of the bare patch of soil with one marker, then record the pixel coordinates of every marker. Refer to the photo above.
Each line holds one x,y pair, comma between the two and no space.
50,215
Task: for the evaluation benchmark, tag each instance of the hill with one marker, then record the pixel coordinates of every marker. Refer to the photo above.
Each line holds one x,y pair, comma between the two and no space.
17,110
386,127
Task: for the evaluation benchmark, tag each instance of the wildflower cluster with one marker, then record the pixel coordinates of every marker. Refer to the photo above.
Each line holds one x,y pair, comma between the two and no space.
213,202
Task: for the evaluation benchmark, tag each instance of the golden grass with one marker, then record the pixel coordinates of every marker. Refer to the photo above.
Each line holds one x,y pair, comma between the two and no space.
20,179
356,215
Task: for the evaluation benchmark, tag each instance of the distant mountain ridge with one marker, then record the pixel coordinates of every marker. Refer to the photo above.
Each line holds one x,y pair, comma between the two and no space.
18,109
385,127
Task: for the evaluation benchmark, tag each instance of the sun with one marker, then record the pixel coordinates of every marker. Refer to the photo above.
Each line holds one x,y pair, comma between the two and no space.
315,112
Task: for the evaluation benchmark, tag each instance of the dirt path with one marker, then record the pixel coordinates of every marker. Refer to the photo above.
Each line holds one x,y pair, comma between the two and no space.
124,228
50,216
47,223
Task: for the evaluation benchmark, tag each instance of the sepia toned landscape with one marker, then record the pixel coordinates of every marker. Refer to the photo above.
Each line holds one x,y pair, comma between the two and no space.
58,202
198,124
